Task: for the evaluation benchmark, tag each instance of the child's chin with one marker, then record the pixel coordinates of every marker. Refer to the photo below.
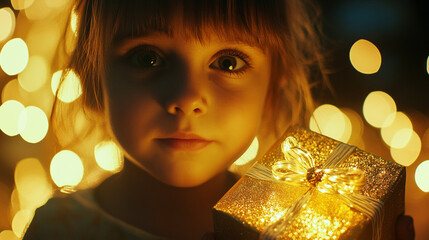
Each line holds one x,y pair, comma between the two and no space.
188,180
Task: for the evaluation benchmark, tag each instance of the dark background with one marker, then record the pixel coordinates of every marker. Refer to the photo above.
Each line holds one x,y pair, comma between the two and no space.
399,29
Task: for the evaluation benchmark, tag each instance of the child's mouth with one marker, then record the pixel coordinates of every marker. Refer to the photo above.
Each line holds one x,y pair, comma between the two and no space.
184,142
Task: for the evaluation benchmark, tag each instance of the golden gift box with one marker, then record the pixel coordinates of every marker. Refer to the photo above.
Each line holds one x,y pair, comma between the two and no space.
309,186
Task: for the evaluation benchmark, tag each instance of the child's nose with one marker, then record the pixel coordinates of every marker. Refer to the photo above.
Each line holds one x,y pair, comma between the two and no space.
189,101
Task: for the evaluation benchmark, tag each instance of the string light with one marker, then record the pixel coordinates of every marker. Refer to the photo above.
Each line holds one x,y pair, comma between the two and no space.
7,23
409,153
70,88
365,57
33,124
331,121
398,134
32,184
249,155
379,109
108,156
21,220
66,169
8,235
10,112
14,56
422,176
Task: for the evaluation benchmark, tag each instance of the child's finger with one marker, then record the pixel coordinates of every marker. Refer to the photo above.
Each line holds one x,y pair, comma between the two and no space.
405,228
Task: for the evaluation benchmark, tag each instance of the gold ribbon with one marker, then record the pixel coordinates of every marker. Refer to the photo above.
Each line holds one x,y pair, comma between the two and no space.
299,169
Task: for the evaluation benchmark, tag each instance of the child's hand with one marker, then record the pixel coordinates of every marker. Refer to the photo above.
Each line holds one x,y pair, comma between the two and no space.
405,228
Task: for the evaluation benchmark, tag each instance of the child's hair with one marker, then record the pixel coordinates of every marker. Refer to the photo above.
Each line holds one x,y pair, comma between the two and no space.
286,29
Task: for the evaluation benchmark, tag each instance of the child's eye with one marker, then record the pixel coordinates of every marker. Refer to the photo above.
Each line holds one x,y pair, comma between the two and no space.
231,61
145,57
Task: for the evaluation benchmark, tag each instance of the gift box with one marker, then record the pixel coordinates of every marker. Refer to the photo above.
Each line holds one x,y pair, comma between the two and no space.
309,186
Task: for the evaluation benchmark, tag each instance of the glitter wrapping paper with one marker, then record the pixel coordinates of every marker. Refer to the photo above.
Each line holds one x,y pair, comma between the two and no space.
251,204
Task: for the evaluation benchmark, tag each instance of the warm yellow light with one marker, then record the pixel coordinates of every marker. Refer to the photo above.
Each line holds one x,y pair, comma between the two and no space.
356,126
330,121
73,21
108,156
38,10
10,112
34,75
32,183
66,169
56,3
365,57
41,38
422,176
11,91
398,134
250,153
7,23
70,88
33,124
409,153
379,109
427,65
21,4
21,220
8,235
14,56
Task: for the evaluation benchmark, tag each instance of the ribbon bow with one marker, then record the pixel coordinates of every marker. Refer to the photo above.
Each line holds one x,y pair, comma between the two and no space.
299,169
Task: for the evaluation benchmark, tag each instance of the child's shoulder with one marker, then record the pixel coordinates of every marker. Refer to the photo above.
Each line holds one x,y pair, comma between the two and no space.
77,216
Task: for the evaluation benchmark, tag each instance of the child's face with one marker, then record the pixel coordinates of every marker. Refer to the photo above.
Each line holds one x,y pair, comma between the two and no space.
181,109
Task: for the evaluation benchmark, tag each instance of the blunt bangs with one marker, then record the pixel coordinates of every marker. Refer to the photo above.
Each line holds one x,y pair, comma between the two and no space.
257,23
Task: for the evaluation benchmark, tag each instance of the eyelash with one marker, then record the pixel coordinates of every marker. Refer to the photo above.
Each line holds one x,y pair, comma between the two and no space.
129,56
144,51
234,53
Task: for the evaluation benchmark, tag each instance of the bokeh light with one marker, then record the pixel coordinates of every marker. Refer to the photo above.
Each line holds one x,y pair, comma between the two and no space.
356,129
56,3
7,23
73,21
21,4
14,56
250,153
422,176
8,235
11,91
108,156
35,74
409,153
365,57
66,169
379,109
33,124
398,134
32,183
70,88
21,220
331,121
10,111
38,10
42,37
427,65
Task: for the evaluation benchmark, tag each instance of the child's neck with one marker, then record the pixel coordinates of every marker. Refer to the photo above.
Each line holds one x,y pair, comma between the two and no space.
181,213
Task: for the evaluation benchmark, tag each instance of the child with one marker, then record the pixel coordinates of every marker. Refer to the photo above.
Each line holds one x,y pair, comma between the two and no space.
183,87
